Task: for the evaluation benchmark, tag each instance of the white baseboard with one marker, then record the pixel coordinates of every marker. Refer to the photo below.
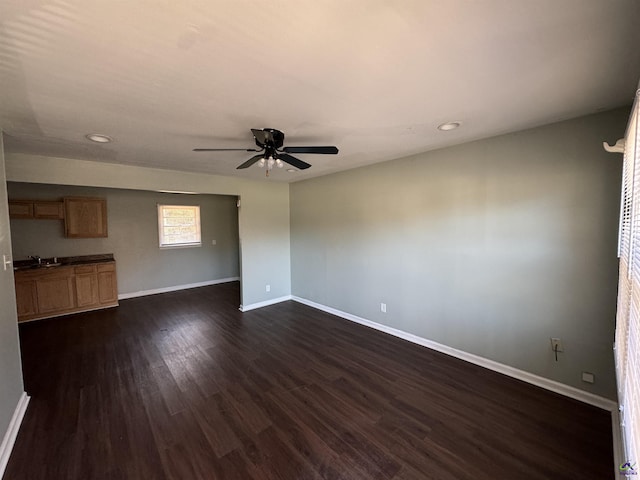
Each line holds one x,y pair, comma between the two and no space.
175,288
266,303
531,378
12,432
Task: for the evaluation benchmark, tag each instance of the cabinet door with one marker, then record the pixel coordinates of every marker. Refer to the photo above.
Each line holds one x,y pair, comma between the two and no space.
107,284
87,289
45,209
26,298
20,209
55,293
85,217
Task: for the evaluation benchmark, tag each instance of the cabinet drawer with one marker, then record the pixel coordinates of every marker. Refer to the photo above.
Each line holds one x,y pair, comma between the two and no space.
85,269
106,267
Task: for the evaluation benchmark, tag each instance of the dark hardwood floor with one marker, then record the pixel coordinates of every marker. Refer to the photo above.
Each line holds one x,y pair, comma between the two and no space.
184,386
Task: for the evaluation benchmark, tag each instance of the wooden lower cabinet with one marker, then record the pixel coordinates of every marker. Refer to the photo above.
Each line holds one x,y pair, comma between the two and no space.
54,292
43,293
107,284
86,286
26,298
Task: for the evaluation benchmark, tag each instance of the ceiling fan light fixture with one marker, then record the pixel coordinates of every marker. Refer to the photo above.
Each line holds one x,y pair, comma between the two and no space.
445,127
271,152
98,138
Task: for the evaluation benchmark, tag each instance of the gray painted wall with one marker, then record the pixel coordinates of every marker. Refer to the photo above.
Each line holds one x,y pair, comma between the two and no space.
11,386
133,236
490,247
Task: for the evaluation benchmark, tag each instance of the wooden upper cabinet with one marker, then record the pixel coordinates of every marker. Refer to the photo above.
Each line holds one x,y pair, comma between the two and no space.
43,209
46,209
20,208
85,217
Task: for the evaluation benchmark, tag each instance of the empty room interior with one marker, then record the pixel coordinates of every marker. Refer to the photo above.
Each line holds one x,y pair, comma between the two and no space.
319,240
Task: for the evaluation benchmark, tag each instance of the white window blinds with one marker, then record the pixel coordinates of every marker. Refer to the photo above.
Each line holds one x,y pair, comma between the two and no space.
627,341
179,226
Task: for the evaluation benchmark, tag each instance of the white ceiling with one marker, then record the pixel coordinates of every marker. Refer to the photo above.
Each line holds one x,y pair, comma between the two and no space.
373,77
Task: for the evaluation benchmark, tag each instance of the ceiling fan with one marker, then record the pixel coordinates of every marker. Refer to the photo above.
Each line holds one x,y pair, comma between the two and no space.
272,153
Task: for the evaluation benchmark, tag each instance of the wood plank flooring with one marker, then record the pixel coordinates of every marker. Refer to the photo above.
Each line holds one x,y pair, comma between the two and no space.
184,386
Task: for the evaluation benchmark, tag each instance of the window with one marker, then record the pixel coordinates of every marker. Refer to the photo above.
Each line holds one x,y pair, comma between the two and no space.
627,342
179,226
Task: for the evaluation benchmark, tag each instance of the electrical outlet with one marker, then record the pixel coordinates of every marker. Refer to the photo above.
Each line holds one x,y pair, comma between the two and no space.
213,242
383,307
556,345
267,288
588,377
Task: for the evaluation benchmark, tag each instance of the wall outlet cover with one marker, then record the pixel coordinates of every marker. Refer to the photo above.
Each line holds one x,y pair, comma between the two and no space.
588,377
556,345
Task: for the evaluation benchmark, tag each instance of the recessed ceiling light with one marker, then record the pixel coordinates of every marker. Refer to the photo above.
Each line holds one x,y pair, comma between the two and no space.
98,138
448,126
291,170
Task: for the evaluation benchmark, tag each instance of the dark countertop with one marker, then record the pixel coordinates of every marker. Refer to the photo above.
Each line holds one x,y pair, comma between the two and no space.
62,261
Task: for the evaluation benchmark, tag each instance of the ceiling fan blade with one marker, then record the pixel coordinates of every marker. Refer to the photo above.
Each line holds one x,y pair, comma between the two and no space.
249,162
225,150
293,161
323,150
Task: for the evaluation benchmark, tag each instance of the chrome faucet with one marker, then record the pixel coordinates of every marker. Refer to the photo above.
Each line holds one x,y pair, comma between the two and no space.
37,259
